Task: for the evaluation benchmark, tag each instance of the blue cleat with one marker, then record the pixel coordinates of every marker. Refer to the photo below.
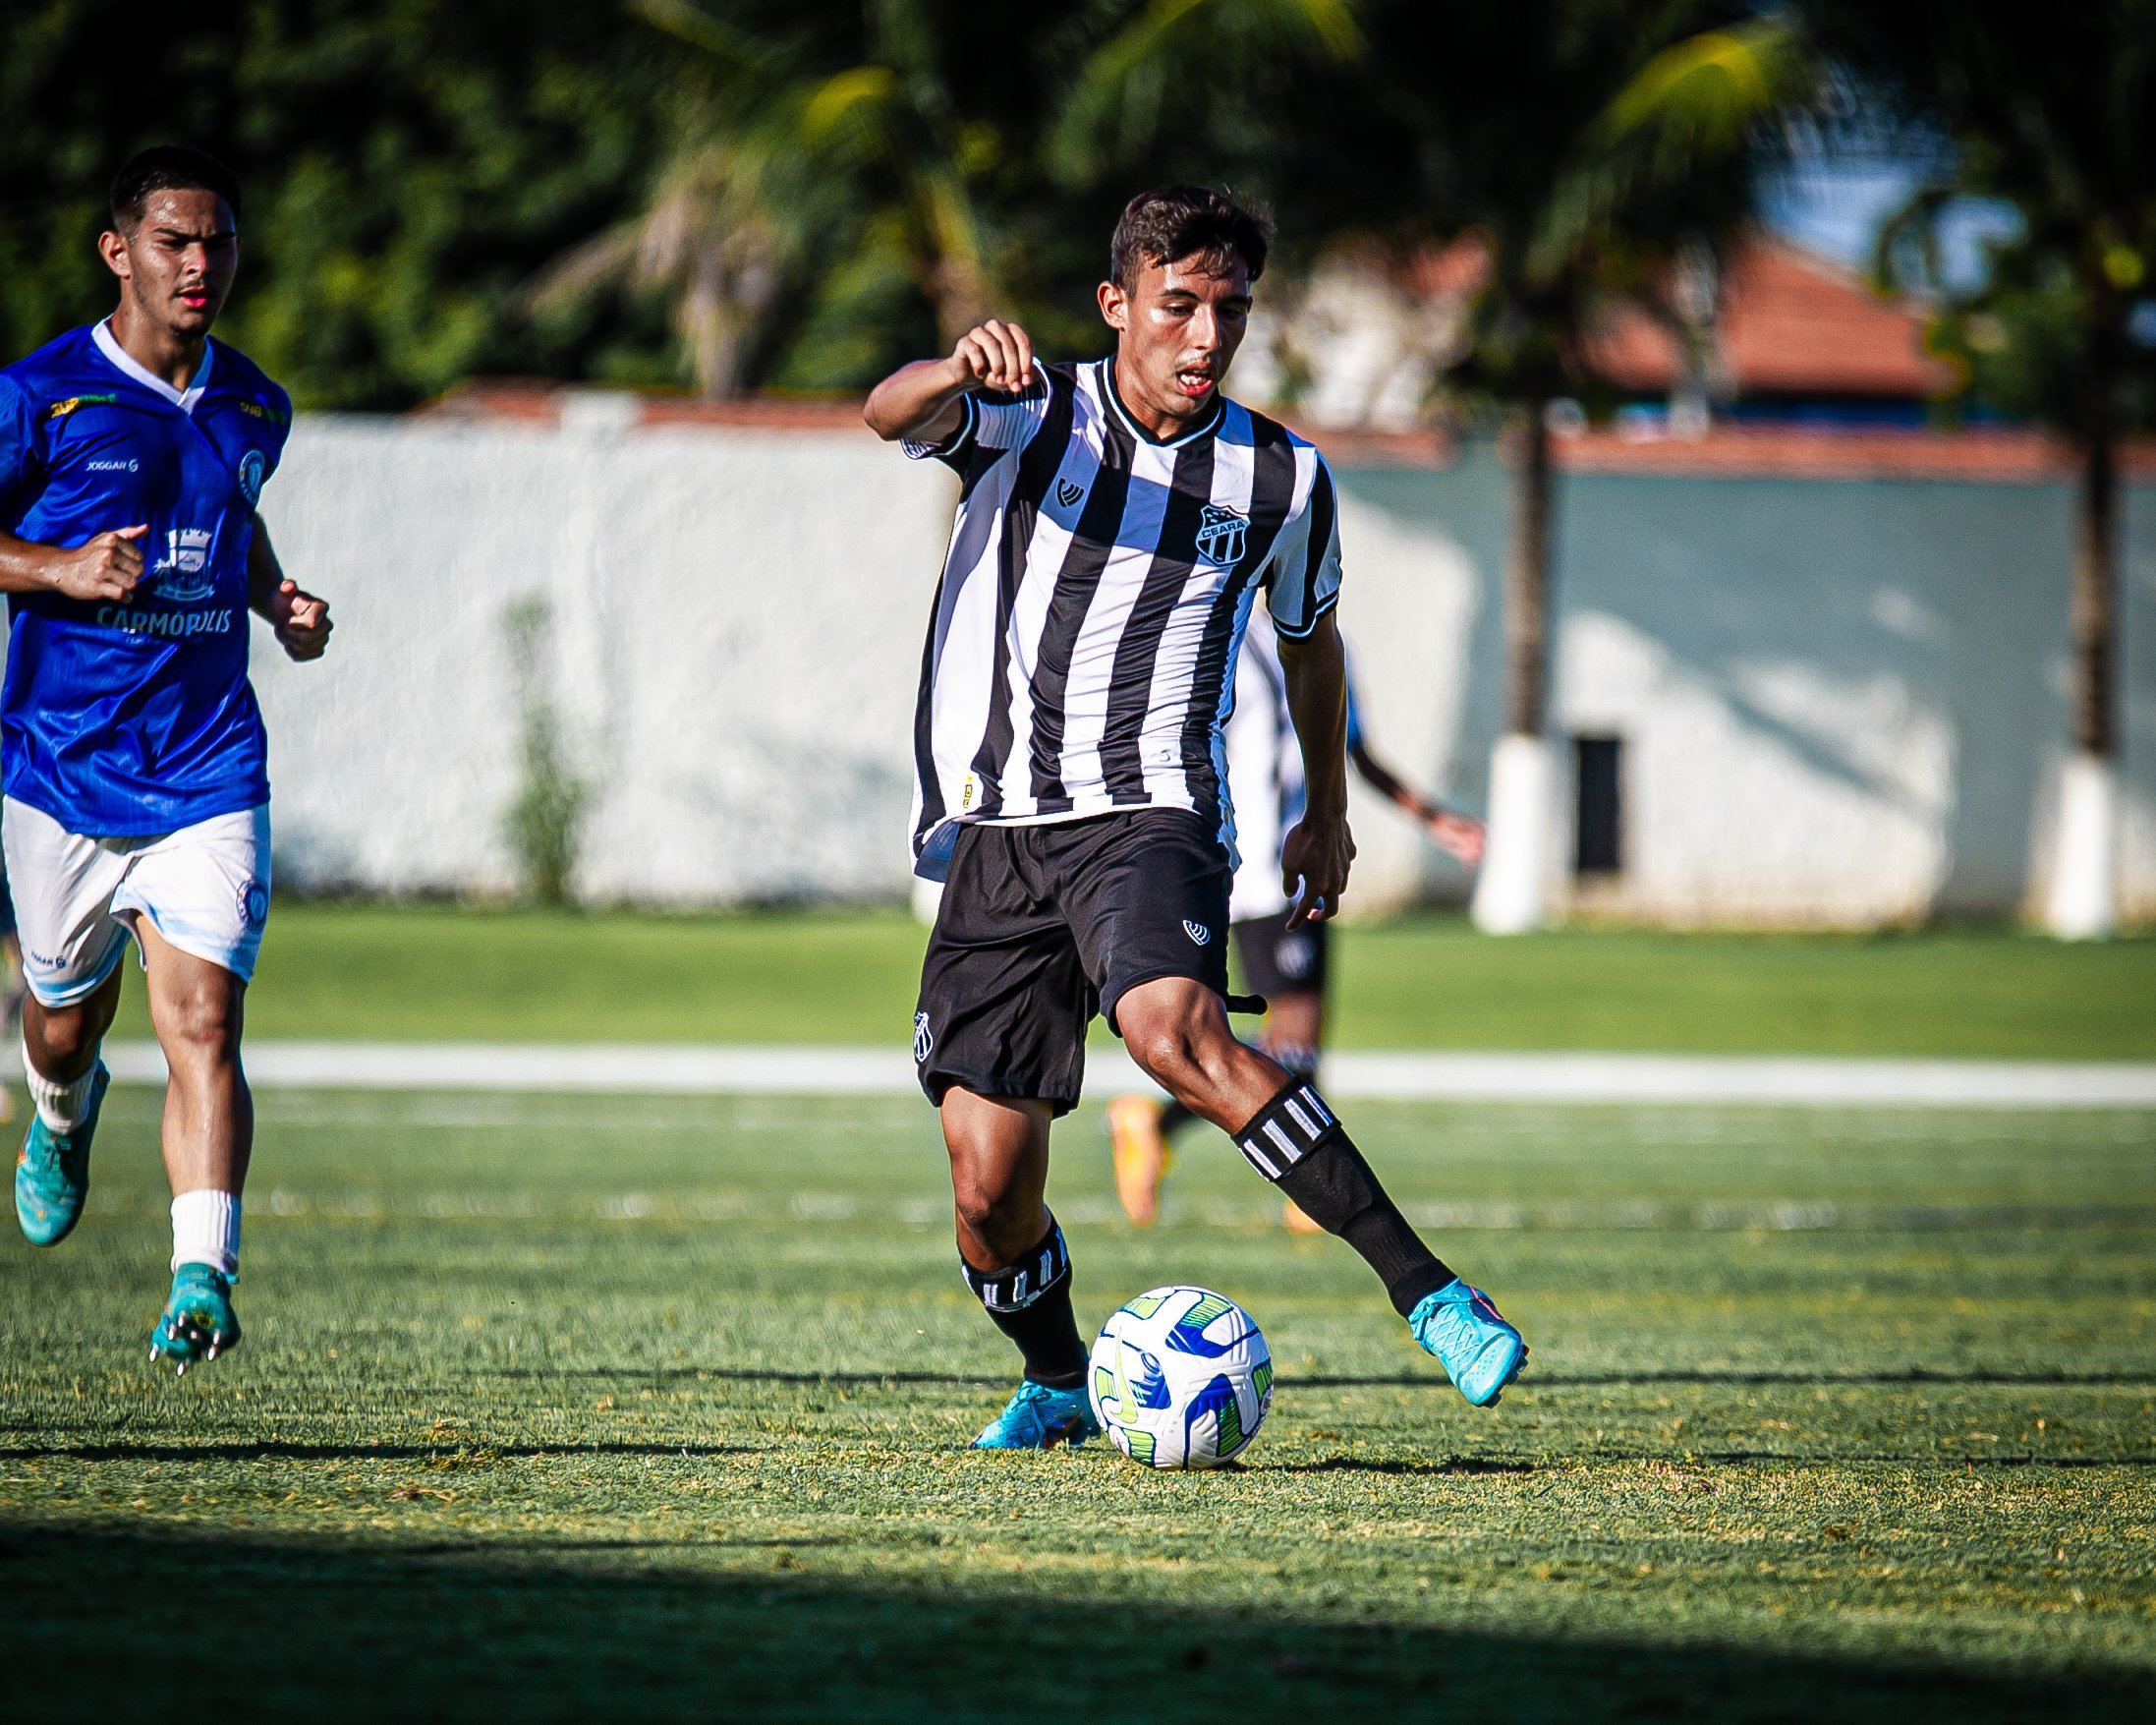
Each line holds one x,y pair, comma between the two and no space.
199,1322
1038,1417
1480,1352
52,1173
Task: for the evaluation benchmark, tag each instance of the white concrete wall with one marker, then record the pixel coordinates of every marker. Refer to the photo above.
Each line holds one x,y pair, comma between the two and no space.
1842,701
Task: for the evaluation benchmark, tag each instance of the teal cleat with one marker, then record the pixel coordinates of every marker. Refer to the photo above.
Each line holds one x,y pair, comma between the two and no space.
199,1321
1039,1418
52,1173
1480,1352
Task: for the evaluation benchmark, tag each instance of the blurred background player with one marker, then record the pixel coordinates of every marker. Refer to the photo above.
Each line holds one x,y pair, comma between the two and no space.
1119,523
1289,963
131,455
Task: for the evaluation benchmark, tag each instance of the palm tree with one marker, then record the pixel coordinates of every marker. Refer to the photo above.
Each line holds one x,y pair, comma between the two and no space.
2053,108
1550,129
804,154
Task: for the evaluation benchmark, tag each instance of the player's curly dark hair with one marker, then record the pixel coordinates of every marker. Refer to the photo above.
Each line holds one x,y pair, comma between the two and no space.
1174,222
168,167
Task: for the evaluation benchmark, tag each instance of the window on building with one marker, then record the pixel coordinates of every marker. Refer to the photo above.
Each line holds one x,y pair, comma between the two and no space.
1599,823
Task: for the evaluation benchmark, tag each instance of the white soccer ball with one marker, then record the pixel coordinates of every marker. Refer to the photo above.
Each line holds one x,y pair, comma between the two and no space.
1180,1377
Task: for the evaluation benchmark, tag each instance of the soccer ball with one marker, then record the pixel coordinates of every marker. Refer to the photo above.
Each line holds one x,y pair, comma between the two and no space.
1180,1378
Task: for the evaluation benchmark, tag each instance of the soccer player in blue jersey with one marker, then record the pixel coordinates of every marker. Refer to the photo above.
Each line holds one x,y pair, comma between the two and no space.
137,792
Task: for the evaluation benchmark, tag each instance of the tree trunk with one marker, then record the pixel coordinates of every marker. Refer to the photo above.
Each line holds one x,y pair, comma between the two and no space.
2094,604
1511,889
1527,581
2084,890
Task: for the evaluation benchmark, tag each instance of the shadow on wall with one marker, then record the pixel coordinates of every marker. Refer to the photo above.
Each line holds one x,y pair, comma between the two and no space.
1840,701
592,1626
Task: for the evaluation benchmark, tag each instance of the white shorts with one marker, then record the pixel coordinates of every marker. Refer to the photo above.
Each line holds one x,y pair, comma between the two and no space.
205,889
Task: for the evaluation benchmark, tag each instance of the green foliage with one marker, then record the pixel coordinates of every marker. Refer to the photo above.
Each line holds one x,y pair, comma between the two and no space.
408,164
546,817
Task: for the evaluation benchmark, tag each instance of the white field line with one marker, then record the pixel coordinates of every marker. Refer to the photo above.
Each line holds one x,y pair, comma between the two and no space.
720,1069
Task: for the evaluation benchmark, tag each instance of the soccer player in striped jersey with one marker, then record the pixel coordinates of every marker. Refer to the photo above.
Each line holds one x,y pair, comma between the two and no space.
1287,964
1117,522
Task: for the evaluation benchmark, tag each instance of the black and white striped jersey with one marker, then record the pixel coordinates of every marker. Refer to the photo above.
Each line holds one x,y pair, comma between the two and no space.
1082,654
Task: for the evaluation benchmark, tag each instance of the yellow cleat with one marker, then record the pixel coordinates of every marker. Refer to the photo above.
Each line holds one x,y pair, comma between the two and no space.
1141,1156
1296,1219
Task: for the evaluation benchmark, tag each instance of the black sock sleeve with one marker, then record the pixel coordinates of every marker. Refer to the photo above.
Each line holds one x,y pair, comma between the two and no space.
1029,1300
1298,1144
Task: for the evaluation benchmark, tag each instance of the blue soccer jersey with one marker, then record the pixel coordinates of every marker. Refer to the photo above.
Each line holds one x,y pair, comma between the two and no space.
135,717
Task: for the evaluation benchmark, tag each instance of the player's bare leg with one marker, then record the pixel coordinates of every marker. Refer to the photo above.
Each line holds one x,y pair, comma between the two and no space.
66,1087
1177,1030
1015,1260
197,1008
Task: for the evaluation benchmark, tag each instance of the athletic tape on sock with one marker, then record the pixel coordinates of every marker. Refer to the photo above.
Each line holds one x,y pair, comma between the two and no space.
1285,1130
1014,1288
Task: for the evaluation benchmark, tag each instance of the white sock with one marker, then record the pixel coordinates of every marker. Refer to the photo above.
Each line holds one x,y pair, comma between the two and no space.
205,1230
60,1107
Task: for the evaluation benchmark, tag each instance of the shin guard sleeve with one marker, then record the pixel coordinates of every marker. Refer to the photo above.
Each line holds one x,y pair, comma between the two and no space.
1296,1142
1030,1302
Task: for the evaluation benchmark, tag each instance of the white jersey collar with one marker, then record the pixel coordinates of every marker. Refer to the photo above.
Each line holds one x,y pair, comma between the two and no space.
126,363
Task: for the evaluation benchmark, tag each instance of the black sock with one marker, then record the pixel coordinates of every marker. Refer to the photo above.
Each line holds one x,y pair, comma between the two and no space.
1298,1145
1174,1117
1030,1302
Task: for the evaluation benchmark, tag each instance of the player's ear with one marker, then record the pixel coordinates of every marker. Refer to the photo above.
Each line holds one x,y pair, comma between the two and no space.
112,247
1115,306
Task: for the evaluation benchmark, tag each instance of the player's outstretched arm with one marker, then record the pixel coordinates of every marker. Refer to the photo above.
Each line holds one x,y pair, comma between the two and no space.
300,621
1458,836
109,567
1316,856
923,400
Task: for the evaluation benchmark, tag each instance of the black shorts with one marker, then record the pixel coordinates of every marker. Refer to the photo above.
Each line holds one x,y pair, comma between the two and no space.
1041,927
1283,960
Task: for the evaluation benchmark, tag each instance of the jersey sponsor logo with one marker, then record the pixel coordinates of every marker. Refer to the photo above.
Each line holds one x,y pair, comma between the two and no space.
1197,931
131,465
60,410
1069,492
261,411
924,1039
1221,535
186,555
173,625
254,469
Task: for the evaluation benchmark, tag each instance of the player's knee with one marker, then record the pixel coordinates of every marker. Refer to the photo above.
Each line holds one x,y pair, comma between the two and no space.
994,1212
203,1019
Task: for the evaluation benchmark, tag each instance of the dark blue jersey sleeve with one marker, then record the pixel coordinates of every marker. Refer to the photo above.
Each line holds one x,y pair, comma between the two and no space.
18,438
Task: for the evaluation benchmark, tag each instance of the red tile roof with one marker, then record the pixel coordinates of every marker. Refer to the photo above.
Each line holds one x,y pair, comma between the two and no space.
1791,324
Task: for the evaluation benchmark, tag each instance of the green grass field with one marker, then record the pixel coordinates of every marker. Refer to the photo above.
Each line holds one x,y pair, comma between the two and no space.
570,1408
424,972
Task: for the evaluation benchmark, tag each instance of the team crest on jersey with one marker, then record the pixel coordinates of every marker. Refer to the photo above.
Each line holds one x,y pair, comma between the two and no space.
187,556
1197,931
924,1039
1221,535
254,469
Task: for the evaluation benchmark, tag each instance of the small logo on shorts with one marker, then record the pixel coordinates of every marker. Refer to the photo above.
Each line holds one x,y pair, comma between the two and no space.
1197,931
254,904
924,1039
1294,954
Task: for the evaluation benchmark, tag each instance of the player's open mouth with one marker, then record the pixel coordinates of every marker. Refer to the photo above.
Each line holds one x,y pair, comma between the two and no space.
1195,380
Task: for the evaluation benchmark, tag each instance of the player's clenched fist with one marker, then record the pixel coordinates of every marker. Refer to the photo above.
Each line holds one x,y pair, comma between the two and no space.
109,566
300,621
994,356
